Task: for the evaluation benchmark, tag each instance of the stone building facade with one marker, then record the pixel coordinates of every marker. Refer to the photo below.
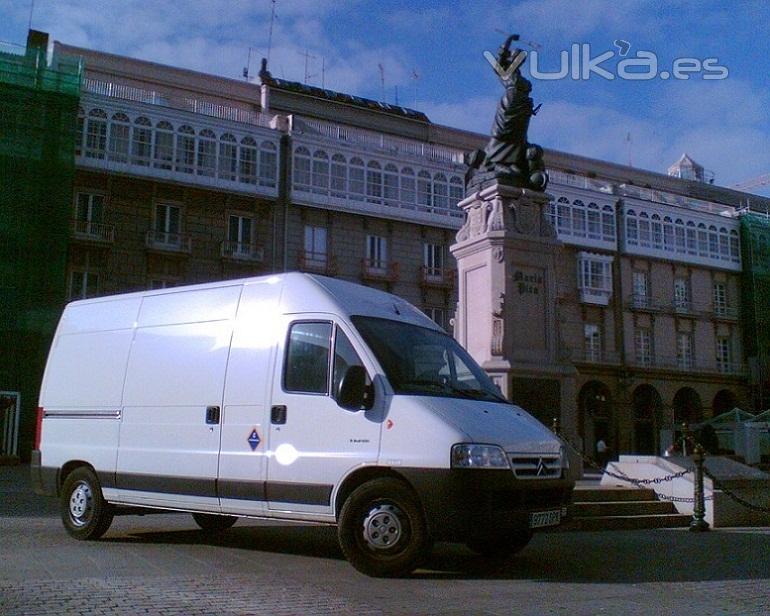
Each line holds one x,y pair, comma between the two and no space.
183,177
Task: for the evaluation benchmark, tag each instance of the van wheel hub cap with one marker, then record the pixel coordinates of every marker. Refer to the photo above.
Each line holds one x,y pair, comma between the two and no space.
81,502
382,527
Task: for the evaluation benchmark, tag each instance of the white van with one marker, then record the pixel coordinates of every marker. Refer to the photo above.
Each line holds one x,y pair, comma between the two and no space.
292,397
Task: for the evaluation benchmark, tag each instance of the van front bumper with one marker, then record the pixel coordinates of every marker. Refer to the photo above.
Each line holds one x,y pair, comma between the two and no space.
459,502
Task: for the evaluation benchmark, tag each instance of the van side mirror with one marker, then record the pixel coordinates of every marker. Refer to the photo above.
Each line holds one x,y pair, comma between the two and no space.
352,390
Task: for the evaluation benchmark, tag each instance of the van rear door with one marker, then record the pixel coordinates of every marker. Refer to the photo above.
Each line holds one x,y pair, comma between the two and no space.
314,442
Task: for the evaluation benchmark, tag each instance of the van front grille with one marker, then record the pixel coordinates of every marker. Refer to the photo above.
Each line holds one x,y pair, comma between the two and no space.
536,467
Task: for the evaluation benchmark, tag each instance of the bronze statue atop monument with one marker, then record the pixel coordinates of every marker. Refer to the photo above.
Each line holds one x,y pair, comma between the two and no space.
509,158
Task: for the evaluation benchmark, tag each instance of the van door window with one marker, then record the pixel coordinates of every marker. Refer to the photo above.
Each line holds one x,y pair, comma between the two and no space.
306,368
344,357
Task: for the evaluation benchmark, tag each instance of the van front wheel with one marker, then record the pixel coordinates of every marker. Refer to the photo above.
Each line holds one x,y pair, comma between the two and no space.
214,523
382,529
85,513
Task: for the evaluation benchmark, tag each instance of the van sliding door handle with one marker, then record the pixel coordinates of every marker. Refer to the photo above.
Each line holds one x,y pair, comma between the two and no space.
212,415
278,414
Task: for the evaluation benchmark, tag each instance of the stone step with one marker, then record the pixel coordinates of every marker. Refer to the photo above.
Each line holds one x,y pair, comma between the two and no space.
623,522
611,494
620,508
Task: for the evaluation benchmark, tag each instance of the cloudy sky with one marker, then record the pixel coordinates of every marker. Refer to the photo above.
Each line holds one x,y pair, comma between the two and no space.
722,123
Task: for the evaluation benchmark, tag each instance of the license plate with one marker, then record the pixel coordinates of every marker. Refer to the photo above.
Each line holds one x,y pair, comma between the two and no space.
544,518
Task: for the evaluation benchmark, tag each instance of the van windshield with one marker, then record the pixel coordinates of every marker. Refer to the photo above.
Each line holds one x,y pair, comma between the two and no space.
424,362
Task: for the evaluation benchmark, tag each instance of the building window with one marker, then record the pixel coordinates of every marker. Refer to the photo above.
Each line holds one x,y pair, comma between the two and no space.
315,245
96,134
120,137
724,354
89,213
408,187
320,172
141,142
437,315
684,351
433,260
240,235
682,295
643,346
356,179
373,182
391,185
594,278
644,230
720,298
228,157
592,342
376,252
424,192
641,288
164,145
83,284
302,166
456,190
247,161
440,191
168,224
207,153
268,164
339,176
185,149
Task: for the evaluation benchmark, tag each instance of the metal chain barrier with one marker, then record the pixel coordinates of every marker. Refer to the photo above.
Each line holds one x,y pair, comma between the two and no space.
732,495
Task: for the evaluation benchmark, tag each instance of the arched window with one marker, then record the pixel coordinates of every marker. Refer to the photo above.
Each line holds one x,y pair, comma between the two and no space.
164,145
578,218
456,190
80,131
608,223
228,157
657,232
207,153
440,192
120,137
424,191
373,182
563,218
302,174
594,222
735,249
724,244
632,228
185,149
268,164
247,161
391,184
644,230
408,188
692,238
679,236
141,142
356,178
339,176
713,242
320,172
96,134
703,240
668,233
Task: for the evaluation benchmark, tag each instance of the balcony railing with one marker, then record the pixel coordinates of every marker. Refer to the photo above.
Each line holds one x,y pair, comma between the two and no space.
687,364
641,301
382,271
437,277
595,356
727,313
593,295
684,306
88,231
242,251
317,263
163,241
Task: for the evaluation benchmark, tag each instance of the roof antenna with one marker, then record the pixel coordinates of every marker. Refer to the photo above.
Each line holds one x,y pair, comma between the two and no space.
382,81
270,32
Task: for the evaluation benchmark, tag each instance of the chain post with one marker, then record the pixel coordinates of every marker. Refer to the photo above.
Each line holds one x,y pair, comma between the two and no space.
555,426
699,523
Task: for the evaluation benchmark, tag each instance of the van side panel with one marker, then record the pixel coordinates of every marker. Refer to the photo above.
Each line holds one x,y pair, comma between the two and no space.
243,459
169,439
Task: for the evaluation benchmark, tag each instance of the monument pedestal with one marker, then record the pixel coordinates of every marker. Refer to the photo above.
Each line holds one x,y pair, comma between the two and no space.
508,311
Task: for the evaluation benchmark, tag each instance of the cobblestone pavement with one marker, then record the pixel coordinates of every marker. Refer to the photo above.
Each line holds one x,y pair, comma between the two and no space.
161,564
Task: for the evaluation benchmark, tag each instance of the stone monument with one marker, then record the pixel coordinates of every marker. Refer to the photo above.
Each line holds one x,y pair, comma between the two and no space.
507,257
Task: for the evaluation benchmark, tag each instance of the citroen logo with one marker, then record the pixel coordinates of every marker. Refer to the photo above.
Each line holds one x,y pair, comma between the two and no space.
541,467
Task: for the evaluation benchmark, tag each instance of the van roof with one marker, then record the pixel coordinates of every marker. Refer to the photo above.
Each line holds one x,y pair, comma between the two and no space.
300,292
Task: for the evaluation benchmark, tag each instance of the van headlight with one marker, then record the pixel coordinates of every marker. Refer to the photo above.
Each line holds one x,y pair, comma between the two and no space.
471,455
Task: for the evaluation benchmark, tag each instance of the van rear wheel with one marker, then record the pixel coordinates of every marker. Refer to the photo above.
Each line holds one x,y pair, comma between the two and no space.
85,513
382,529
214,523
500,545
